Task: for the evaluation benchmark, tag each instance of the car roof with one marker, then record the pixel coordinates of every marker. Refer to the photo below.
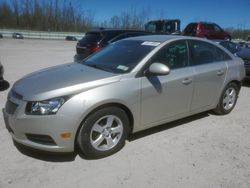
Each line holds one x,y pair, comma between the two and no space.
159,38
114,30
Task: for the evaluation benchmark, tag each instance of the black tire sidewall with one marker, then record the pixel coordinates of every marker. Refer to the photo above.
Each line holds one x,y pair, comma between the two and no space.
83,137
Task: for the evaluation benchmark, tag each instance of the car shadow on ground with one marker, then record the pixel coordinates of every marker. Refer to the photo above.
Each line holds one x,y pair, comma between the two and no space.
45,156
67,157
167,126
246,83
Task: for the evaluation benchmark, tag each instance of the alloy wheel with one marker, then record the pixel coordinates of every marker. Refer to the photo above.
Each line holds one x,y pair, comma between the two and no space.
106,132
229,98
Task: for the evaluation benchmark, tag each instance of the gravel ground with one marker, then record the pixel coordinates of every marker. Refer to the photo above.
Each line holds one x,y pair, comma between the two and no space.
204,150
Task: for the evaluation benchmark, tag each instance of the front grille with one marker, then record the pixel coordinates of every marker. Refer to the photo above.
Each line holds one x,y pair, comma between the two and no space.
10,107
41,139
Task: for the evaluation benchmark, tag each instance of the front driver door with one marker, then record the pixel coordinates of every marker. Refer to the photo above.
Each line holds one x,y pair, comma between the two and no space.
166,97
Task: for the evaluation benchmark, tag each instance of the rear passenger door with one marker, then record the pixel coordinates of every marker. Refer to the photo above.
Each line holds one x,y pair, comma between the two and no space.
210,68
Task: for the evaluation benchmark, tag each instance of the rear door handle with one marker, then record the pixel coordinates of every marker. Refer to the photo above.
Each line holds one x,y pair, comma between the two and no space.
220,72
187,81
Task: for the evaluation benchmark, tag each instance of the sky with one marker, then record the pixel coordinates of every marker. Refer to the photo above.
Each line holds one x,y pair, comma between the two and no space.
226,13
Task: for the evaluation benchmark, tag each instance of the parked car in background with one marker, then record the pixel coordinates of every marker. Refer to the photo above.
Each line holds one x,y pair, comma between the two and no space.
131,85
71,38
94,41
206,30
1,36
243,53
17,36
163,26
127,35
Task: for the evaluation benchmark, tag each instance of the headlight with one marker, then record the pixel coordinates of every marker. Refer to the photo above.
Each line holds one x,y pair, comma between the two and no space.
47,107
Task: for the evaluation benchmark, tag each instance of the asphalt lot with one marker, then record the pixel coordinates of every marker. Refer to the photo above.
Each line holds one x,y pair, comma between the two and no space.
202,151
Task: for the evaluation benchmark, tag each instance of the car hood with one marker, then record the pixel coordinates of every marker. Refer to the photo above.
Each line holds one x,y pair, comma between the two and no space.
62,80
244,53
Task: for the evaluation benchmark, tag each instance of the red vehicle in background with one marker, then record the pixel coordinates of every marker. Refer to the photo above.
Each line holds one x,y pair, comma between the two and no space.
206,30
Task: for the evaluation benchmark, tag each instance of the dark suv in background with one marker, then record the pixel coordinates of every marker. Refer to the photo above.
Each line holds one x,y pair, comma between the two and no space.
94,41
237,50
206,30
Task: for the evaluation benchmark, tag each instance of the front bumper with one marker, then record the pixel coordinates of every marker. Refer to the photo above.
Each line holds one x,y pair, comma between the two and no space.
21,126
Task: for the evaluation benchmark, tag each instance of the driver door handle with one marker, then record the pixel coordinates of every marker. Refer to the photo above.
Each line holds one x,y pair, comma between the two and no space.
220,72
187,81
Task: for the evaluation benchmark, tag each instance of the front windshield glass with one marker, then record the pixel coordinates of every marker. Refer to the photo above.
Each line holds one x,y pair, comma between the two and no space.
121,56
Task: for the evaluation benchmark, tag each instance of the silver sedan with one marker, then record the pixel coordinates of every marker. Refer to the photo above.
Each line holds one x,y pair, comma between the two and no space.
129,86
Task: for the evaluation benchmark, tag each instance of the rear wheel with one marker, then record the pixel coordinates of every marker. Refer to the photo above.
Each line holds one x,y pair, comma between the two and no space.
228,99
104,132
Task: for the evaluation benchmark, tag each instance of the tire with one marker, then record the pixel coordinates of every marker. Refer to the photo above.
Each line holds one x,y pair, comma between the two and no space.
103,132
228,99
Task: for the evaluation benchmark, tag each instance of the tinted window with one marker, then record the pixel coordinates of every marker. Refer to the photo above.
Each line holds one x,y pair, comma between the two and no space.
169,27
217,28
190,29
174,55
203,52
209,27
91,37
151,27
120,57
126,35
110,35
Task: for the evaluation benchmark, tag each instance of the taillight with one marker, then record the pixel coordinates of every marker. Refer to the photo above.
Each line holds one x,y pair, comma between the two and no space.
96,49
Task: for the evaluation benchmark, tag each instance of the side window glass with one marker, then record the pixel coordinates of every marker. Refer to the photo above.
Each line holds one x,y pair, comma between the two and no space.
221,55
174,55
204,53
217,28
209,27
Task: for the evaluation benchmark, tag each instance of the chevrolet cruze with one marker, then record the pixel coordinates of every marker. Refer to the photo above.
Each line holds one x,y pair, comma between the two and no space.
131,85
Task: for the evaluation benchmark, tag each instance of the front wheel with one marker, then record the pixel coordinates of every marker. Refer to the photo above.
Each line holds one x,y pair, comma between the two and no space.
104,132
228,99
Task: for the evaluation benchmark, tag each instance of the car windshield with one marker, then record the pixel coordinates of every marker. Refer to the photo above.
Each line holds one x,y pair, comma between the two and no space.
120,57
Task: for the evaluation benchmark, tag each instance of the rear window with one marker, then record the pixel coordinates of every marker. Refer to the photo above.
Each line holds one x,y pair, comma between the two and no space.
190,29
92,37
110,35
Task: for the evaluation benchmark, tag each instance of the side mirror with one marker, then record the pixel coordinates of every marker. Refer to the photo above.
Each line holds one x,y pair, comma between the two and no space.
157,69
